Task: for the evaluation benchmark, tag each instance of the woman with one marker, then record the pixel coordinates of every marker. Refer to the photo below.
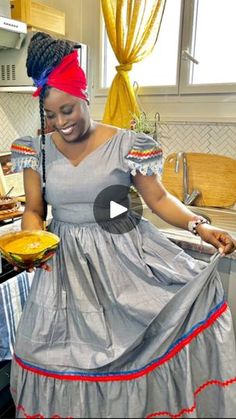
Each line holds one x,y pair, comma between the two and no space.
116,325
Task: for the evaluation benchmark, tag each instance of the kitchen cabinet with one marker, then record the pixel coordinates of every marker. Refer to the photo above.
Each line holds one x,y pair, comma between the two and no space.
38,15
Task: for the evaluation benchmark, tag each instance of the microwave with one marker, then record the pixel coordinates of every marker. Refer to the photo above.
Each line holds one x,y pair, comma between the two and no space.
13,74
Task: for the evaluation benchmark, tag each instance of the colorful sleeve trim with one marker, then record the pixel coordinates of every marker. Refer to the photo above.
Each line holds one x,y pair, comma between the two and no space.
144,154
27,162
23,157
147,169
19,148
147,161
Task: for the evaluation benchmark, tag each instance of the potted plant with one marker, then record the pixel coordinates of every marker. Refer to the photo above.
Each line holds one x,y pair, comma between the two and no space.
141,123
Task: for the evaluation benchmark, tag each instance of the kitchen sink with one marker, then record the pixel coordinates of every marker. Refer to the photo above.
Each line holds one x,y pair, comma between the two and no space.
219,217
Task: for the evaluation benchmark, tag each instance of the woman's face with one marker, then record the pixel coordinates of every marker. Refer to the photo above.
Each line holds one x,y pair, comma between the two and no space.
68,115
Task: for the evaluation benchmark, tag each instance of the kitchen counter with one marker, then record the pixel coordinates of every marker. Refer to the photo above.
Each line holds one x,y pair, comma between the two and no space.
219,217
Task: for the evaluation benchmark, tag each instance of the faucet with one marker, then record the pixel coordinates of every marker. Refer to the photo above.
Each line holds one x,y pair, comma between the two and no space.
157,119
188,198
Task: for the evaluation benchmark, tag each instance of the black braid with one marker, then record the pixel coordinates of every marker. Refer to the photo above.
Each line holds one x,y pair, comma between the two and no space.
44,52
42,144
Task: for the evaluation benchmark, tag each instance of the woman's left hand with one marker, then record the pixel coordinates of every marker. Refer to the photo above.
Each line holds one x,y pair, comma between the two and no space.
218,238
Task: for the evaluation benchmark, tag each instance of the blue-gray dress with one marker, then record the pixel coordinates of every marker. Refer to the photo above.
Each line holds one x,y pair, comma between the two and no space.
126,325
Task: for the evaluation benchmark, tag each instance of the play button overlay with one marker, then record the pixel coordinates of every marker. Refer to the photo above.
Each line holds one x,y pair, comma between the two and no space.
118,209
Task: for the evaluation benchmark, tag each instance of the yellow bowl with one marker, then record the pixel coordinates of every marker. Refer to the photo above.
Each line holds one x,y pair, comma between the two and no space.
28,248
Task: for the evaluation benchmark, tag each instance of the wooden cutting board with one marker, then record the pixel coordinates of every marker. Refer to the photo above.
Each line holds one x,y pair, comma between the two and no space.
212,174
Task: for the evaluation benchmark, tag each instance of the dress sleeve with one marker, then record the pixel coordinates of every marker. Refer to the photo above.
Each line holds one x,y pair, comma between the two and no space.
24,155
145,156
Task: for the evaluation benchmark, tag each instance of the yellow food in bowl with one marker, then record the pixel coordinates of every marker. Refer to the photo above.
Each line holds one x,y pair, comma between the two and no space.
29,244
28,248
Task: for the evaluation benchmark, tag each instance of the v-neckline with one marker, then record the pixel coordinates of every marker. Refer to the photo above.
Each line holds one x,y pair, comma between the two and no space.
88,155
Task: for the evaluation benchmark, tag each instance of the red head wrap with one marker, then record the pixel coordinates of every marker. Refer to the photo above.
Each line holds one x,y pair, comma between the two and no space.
68,76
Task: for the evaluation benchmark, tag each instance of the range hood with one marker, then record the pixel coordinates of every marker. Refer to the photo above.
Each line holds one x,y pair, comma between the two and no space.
12,33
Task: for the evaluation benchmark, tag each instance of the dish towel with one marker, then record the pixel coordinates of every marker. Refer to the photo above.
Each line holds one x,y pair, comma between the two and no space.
13,294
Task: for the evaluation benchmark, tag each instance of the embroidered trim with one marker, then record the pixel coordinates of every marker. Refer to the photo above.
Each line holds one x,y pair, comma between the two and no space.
183,411
143,154
18,148
147,168
21,408
24,162
195,394
176,347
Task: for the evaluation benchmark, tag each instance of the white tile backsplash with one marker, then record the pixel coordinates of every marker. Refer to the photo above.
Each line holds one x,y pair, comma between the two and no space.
19,116
197,137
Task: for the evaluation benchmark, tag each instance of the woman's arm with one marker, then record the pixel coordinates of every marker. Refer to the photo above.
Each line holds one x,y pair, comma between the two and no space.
161,202
174,212
32,218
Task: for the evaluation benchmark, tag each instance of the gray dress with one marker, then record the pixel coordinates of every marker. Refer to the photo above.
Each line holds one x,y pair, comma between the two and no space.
125,325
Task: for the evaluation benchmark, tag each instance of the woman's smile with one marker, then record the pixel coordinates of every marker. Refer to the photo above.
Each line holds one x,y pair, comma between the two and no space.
67,130
68,115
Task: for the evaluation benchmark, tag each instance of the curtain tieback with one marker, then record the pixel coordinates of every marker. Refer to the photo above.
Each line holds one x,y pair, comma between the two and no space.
124,67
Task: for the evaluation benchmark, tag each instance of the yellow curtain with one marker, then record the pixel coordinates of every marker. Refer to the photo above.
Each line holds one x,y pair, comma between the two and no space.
132,27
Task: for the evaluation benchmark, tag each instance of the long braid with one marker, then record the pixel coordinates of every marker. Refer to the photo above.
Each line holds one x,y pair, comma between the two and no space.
42,146
45,52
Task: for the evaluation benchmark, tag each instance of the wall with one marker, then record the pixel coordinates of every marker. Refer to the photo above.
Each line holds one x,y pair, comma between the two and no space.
19,116
198,137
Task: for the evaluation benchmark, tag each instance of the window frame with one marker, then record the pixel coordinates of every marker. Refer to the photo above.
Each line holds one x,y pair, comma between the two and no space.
185,65
182,87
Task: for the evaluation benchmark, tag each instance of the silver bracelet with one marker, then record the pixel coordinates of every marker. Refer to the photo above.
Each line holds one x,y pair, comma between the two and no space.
192,225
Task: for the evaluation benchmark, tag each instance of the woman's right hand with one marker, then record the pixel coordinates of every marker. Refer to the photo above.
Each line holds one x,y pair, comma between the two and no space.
43,266
46,267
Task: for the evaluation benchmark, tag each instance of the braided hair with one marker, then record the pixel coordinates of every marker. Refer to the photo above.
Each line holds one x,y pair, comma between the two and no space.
45,52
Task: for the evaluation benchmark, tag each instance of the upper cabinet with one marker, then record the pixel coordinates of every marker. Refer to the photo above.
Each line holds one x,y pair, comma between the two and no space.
38,15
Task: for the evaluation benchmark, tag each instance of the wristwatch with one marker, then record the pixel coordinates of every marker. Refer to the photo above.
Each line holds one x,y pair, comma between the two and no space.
192,225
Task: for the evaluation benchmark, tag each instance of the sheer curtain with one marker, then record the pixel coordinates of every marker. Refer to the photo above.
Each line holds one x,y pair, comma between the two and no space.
132,27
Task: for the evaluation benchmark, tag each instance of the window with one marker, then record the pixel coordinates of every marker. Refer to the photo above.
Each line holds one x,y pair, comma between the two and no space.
161,65
193,54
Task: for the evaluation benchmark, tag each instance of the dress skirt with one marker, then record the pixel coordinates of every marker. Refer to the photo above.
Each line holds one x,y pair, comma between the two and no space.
124,326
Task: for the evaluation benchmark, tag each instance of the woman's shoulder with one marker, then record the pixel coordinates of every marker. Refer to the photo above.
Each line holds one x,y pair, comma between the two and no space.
26,145
144,154
25,153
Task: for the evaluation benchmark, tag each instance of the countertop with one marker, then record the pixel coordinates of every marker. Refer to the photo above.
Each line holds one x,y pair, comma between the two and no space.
219,217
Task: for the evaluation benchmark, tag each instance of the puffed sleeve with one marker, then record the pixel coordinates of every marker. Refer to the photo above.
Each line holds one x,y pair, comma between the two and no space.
24,154
145,156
